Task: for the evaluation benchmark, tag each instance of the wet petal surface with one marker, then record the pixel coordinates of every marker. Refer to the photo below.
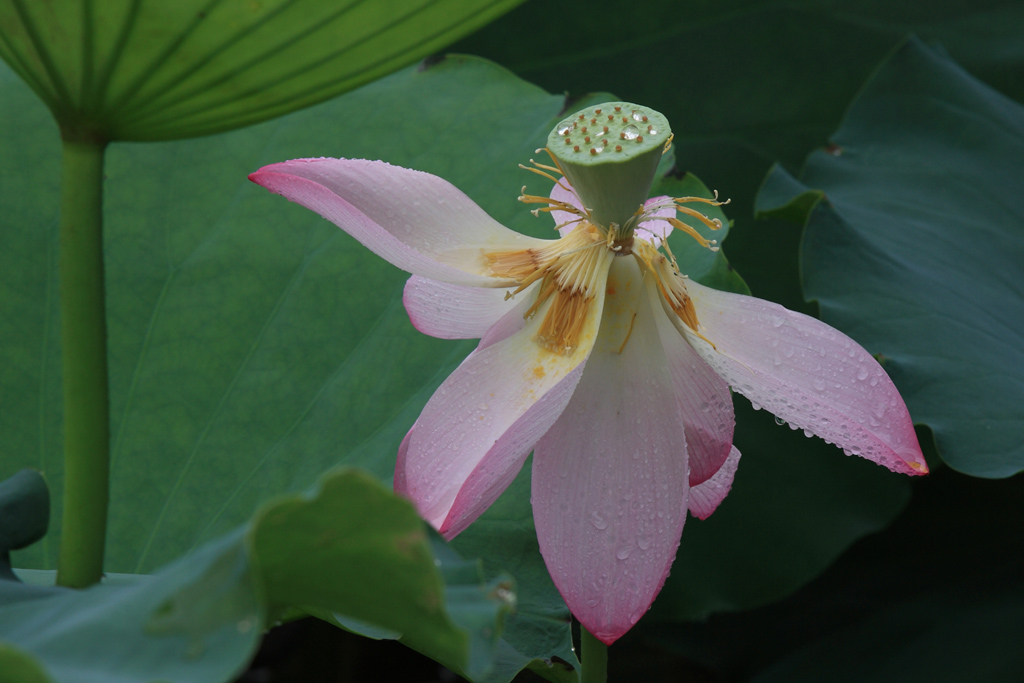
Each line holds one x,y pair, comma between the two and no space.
807,373
417,221
609,478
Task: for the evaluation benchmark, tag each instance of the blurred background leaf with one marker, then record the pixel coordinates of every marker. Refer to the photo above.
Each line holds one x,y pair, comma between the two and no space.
150,70
130,630
350,547
931,639
916,248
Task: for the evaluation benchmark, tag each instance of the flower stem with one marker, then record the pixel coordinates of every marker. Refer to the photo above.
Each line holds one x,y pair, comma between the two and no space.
595,658
84,356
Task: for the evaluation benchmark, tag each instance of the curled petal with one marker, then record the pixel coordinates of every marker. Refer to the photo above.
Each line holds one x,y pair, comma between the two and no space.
704,398
449,311
708,495
609,478
809,374
419,222
565,222
655,228
477,429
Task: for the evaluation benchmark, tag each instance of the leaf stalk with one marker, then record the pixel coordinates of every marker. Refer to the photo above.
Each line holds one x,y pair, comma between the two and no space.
84,364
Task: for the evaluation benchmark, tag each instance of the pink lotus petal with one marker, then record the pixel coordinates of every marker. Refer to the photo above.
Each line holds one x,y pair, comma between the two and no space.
807,373
481,423
561,193
704,398
653,229
449,311
609,478
503,461
419,222
706,496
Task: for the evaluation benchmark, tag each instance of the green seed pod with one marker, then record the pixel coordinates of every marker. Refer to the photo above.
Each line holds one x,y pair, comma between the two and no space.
610,153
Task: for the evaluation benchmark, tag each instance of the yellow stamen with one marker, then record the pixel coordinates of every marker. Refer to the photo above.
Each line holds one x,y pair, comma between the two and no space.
712,223
671,285
679,225
553,204
560,330
702,200
668,144
569,269
540,172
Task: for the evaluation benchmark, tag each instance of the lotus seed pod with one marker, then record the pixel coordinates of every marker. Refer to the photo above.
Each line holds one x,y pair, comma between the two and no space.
609,153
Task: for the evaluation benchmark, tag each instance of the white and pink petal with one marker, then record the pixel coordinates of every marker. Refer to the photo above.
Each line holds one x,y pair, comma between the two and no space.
477,429
807,373
704,398
654,227
449,311
709,494
419,222
609,478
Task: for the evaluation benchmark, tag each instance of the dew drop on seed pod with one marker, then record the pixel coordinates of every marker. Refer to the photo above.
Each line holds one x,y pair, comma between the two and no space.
637,115
630,133
565,128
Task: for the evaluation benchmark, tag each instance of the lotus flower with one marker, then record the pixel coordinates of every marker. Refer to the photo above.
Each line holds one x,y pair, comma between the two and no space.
595,354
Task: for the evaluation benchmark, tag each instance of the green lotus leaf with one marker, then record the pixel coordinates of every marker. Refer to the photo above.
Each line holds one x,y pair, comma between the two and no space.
134,70
915,248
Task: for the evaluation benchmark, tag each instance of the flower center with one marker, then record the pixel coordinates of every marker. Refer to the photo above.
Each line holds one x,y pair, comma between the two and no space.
569,270
604,193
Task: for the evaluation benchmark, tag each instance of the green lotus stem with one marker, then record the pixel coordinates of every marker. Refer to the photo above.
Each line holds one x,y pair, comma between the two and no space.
594,655
84,343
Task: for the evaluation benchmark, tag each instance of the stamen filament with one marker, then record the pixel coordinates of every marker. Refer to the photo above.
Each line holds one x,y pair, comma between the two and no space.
702,200
539,172
712,223
546,167
703,241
